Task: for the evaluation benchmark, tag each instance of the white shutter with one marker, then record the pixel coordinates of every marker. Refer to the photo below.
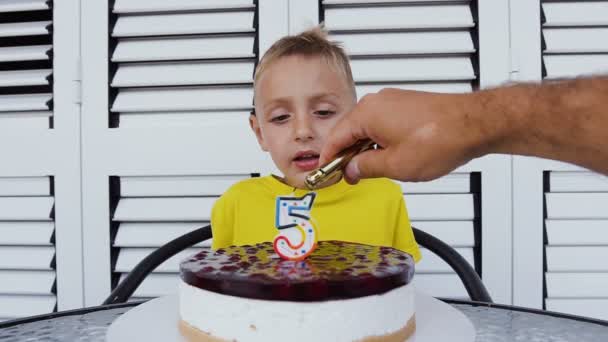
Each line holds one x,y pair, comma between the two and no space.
429,46
26,65
559,208
576,225
166,121
151,211
40,251
40,219
447,208
173,63
574,35
27,247
411,45
576,220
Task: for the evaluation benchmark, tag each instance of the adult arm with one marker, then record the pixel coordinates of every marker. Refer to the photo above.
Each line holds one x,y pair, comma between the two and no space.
426,135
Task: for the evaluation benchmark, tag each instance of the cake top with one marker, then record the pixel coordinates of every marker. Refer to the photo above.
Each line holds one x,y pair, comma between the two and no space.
335,270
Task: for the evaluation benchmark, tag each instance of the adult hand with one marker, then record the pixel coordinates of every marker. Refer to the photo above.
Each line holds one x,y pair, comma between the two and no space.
422,135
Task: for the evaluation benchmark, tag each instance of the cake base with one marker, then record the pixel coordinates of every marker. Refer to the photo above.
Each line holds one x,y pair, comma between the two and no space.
243,319
191,334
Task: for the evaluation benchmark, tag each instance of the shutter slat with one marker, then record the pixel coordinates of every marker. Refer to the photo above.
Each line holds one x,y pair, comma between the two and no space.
454,233
26,208
24,186
144,6
561,66
596,308
577,259
181,99
27,282
577,205
164,209
440,285
29,102
128,258
453,207
154,234
23,5
24,120
575,13
25,53
26,258
183,23
576,40
452,183
156,285
577,285
577,232
577,181
20,78
21,306
169,74
413,69
26,233
184,48
177,186
385,43
30,28
223,120
452,87
431,263
399,17
577,241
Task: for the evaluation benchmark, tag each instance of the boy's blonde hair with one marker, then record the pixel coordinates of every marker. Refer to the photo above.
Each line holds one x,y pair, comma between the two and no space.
310,43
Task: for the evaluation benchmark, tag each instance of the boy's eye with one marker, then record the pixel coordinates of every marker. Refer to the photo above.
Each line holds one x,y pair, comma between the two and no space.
280,118
324,112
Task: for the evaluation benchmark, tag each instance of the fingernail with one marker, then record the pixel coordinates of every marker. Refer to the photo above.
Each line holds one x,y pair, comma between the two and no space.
352,172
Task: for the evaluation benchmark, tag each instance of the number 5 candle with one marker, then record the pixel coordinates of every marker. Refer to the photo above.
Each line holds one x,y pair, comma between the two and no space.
297,236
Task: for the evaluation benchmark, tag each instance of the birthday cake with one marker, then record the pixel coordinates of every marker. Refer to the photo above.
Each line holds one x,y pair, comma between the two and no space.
341,292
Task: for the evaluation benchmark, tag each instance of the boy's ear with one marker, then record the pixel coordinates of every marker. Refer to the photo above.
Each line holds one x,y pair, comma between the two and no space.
255,126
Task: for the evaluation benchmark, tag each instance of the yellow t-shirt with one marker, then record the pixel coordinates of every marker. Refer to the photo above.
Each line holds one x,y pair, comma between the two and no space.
372,212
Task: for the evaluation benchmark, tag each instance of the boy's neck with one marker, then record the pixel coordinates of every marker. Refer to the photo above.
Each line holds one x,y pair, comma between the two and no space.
325,185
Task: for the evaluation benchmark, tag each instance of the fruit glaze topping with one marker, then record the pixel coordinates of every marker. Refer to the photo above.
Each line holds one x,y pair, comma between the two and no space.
335,270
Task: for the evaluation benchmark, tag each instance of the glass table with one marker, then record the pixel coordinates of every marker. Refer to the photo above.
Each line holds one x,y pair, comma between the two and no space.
493,322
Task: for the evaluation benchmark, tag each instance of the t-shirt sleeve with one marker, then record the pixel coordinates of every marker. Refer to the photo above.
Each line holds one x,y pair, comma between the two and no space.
222,221
404,235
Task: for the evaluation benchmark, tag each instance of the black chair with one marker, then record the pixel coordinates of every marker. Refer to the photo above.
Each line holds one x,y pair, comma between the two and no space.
472,283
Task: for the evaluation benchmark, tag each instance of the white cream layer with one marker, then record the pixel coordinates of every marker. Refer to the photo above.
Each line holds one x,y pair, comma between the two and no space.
252,320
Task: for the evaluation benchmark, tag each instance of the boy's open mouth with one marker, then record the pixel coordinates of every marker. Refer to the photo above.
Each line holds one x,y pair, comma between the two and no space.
306,160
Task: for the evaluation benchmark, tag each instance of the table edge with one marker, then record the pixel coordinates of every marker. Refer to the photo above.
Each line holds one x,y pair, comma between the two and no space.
82,311
527,310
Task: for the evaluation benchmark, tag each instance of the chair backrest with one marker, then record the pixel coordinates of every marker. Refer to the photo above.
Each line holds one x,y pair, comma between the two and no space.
124,290
472,283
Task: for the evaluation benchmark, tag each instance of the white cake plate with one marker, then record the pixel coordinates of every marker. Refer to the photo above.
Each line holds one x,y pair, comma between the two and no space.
158,319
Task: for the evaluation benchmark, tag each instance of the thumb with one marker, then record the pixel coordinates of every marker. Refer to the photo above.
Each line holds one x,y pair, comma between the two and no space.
369,164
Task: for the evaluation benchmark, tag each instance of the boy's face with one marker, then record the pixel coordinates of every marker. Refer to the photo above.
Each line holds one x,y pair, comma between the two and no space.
298,101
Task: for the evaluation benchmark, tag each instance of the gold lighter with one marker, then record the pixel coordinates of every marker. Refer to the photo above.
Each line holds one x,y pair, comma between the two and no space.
334,168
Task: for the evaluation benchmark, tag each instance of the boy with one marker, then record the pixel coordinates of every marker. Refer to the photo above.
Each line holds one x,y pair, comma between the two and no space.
302,86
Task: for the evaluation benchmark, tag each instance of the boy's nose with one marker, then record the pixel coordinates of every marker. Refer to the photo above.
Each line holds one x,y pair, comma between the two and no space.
303,129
